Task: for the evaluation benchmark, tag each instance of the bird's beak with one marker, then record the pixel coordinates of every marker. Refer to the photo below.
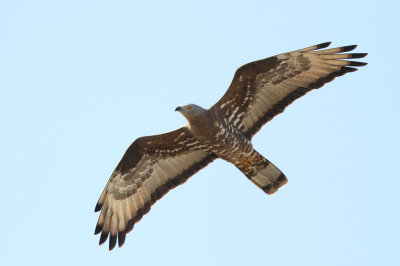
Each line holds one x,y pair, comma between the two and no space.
178,108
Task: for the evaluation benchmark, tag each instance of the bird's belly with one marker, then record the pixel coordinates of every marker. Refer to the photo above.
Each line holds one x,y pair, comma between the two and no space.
234,152
229,144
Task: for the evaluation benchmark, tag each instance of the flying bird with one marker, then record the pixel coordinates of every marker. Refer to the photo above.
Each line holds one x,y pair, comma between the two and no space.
259,91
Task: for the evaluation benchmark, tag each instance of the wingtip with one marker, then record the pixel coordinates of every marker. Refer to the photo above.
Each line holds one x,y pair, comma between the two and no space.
323,45
129,226
121,238
346,69
358,55
112,242
103,238
356,63
348,48
98,229
98,207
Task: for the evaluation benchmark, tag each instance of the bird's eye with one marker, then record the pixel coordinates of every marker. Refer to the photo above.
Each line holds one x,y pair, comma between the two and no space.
189,107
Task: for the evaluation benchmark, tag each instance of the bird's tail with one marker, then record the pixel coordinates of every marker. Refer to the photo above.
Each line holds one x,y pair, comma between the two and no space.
263,173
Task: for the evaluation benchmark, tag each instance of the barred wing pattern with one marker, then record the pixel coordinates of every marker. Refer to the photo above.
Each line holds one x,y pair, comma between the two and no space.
262,89
149,169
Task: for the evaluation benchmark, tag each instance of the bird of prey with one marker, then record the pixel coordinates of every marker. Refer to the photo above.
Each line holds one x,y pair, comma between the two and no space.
259,91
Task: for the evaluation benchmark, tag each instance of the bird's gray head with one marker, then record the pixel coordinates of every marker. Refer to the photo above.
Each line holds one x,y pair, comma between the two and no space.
190,110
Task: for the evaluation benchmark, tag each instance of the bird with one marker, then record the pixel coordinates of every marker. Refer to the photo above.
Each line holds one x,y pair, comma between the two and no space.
260,90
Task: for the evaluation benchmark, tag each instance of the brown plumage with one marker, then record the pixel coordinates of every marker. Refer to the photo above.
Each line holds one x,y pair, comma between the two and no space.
259,91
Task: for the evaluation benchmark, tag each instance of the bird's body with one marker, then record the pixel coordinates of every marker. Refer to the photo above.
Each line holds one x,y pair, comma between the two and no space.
216,134
259,91
225,140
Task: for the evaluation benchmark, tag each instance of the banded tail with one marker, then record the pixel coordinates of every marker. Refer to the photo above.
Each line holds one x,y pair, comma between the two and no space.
263,173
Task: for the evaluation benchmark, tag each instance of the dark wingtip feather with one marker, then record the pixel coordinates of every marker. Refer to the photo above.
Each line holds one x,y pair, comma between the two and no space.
98,207
323,45
103,237
347,48
355,63
121,238
139,214
98,229
129,225
358,55
348,69
112,242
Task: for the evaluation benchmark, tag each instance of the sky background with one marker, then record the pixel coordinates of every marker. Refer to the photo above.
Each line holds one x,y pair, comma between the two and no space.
80,80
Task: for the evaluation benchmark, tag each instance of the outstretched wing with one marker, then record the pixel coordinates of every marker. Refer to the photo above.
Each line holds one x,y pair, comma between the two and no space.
149,169
262,89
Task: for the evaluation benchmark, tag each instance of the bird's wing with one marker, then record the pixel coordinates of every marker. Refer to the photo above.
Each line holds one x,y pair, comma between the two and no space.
262,89
149,169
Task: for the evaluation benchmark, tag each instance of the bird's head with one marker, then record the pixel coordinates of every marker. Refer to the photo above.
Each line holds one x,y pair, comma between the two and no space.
190,110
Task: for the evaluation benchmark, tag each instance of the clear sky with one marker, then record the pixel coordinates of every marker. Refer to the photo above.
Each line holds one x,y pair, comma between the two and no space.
80,80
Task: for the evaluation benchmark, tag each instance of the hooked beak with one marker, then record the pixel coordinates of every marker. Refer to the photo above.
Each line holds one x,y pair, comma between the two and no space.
178,108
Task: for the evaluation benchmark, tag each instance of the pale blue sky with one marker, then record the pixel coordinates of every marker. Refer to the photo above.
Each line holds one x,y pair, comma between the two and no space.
80,80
